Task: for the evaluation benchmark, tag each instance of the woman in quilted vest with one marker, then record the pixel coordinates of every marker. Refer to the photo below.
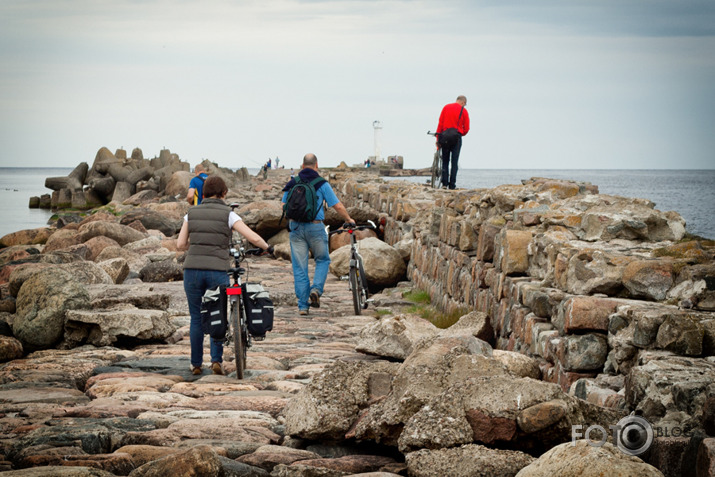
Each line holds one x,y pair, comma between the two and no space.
206,232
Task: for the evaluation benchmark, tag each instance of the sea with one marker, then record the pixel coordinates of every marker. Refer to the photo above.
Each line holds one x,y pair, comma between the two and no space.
691,193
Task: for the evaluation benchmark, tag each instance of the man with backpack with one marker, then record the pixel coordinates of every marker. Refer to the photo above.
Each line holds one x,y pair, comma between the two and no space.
303,198
196,186
453,124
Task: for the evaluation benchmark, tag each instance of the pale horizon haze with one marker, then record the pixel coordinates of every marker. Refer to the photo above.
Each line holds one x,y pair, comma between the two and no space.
553,84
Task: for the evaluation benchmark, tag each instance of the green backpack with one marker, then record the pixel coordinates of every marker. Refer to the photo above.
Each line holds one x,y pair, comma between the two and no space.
302,201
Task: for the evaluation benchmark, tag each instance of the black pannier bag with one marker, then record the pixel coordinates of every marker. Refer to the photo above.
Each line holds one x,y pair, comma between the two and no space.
214,312
259,309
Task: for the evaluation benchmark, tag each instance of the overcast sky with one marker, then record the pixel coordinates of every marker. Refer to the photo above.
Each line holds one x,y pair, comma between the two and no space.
559,84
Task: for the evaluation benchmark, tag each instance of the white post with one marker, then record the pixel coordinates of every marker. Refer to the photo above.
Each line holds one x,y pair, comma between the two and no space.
377,125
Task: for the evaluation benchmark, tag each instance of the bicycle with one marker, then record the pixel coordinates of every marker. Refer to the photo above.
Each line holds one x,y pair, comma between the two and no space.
436,164
357,280
237,332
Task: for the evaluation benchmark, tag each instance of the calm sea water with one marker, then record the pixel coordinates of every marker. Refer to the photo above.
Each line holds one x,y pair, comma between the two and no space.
691,193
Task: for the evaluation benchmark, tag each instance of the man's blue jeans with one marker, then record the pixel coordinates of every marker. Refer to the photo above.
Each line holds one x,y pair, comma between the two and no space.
196,282
450,154
306,237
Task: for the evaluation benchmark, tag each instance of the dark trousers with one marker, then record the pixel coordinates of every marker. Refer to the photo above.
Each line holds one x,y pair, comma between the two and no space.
450,154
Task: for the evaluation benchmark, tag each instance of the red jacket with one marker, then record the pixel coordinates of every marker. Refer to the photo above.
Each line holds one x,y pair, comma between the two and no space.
449,116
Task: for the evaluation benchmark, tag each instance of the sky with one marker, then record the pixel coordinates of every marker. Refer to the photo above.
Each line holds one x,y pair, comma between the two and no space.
550,84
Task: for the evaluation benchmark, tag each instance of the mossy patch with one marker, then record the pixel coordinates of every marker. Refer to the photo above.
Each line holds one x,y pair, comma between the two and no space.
423,308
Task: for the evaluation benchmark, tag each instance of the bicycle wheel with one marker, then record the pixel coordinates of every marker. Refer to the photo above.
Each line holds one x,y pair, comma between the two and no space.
363,288
436,168
239,345
355,288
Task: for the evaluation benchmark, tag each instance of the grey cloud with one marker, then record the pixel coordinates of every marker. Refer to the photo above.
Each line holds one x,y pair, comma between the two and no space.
611,17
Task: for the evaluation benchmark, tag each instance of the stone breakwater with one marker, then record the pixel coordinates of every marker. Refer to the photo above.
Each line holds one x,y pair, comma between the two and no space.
573,308
587,283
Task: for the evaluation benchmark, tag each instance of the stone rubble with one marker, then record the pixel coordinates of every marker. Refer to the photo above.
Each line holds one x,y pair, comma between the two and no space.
570,308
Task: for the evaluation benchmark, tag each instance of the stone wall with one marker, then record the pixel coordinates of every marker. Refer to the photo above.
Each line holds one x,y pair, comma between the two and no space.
608,293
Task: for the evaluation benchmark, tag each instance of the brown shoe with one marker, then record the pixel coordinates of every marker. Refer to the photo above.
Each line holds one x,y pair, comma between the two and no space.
217,368
196,370
315,299
302,312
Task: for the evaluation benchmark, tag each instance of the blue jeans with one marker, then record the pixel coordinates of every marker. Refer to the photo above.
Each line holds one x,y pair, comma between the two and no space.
305,238
196,282
450,154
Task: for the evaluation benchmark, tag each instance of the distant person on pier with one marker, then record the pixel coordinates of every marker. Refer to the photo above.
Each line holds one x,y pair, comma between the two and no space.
307,237
196,186
206,233
453,124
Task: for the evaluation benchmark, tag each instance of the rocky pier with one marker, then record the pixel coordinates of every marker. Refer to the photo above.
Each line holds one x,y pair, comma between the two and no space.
559,309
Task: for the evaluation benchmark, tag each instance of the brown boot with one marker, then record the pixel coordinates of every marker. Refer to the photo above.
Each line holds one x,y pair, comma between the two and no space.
217,368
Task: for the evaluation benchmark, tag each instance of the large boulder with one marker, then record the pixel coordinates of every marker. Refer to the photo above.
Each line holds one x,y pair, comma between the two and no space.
42,303
670,390
466,461
199,460
330,404
174,209
116,268
87,273
62,239
630,219
144,196
10,348
123,324
499,409
95,246
21,273
395,336
139,296
122,234
26,237
135,261
581,459
178,184
383,264
518,364
151,219
264,217
433,366
649,279
162,271
475,323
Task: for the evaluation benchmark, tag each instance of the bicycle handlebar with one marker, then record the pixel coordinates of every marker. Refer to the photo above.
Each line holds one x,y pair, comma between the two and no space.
347,228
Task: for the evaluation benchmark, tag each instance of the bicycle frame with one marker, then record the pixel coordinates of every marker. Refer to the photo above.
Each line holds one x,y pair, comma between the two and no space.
436,165
356,274
238,330
238,323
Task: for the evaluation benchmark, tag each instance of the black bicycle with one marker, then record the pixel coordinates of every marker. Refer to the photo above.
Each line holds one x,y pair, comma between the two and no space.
436,164
356,275
237,333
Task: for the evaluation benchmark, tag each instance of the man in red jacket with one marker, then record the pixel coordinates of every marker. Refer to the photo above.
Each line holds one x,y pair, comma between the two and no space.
453,124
